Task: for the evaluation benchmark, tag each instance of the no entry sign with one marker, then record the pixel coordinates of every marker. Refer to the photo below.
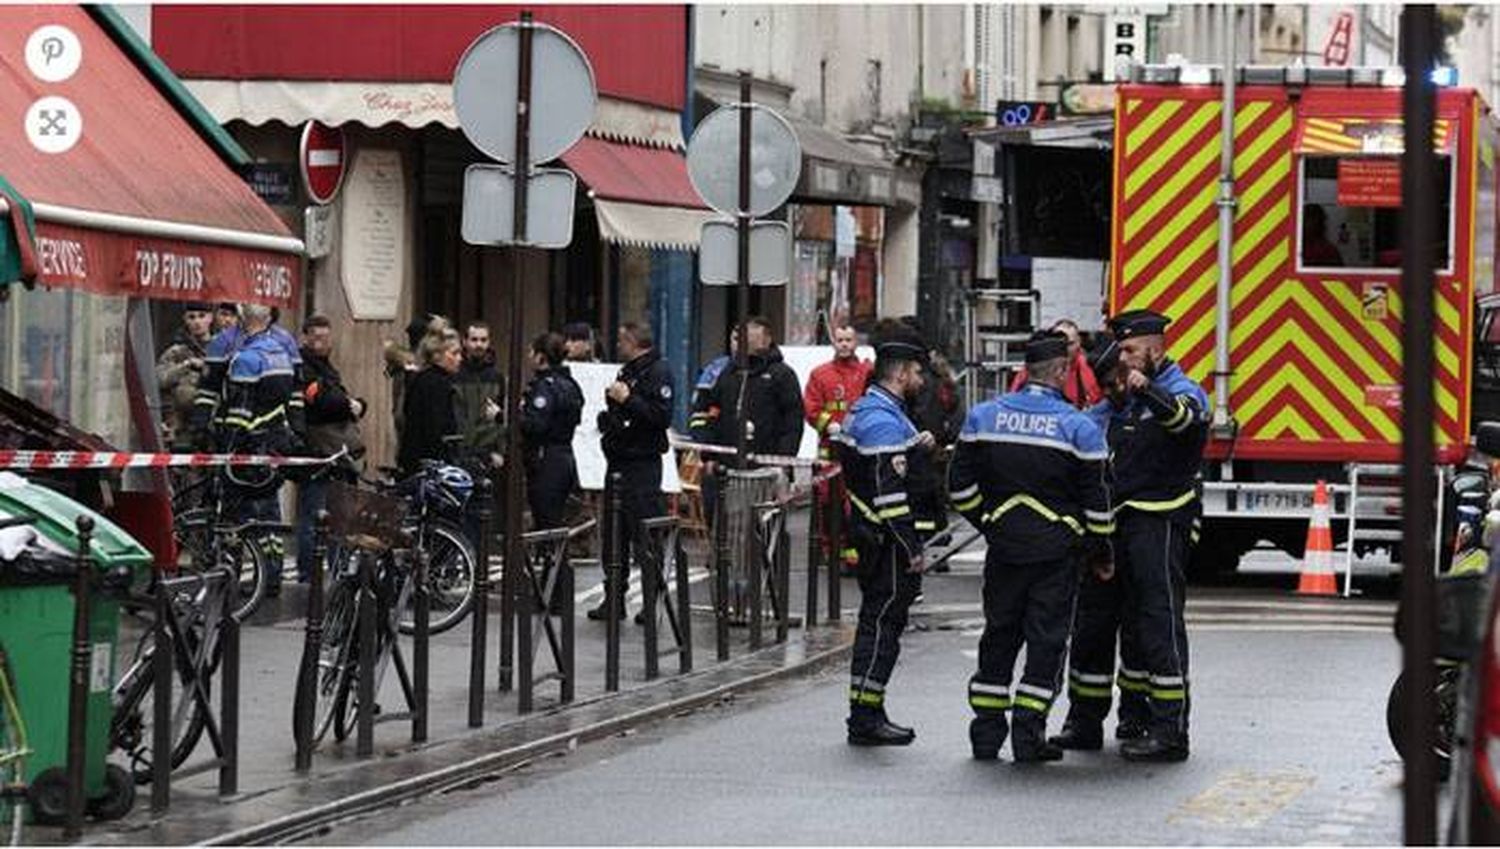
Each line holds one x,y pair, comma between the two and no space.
323,158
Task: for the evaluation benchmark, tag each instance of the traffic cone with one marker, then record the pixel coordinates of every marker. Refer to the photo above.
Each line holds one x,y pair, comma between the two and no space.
1317,561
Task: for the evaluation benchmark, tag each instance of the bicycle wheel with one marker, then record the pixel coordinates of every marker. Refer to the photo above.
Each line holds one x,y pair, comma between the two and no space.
245,555
336,661
450,580
130,729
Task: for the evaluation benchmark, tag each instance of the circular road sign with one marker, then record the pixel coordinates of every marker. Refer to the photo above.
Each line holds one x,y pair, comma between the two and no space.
562,85
323,158
713,160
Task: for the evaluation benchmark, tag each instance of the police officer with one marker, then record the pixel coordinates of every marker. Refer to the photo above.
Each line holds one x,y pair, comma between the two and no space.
550,413
633,429
875,448
1101,612
1030,472
1158,449
222,348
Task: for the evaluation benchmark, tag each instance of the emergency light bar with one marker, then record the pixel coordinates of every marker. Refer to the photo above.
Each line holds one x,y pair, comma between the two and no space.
1288,75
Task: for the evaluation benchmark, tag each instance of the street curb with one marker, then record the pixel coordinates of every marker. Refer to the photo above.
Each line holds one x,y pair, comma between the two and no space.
298,824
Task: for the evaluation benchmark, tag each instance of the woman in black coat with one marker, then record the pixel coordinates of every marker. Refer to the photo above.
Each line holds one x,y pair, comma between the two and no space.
430,405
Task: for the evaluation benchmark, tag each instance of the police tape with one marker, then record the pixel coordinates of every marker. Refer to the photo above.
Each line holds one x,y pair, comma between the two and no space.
764,459
83,460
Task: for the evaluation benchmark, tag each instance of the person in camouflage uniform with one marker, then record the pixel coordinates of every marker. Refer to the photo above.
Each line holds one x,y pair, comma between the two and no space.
178,370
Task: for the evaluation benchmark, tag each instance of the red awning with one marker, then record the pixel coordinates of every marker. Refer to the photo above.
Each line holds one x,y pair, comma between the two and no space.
642,195
140,204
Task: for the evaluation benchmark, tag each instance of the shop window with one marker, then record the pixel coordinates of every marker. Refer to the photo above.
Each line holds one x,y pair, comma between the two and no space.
1350,218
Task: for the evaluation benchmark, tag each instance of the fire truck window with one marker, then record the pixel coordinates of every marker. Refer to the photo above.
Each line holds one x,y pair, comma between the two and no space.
1351,212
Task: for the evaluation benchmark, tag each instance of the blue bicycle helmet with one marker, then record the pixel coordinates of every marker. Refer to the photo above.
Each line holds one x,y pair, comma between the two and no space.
448,487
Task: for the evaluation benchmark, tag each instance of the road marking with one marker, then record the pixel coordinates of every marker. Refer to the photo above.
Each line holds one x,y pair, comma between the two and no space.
1242,799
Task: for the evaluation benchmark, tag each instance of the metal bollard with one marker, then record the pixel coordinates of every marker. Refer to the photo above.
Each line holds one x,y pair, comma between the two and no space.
814,553
508,580
229,694
835,526
525,653
364,745
305,710
684,611
721,566
479,617
614,591
78,681
566,582
650,575
161,705
783,579
421,646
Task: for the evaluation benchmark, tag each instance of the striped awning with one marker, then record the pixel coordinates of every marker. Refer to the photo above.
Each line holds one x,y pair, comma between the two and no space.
1364,135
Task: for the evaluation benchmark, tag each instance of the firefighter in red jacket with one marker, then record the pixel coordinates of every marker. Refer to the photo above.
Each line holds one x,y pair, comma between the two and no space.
831,390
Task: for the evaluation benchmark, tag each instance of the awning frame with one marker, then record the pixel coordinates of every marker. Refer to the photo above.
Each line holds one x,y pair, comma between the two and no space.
151,228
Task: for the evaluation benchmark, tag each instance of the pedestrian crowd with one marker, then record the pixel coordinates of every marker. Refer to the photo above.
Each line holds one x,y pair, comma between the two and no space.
1082,479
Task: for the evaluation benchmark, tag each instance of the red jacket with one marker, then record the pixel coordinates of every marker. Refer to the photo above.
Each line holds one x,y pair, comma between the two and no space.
1081,387
832,389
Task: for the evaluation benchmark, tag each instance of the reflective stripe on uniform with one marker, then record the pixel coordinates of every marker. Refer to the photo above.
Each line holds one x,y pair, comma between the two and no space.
1030,703
865,697
1033,690
1163,506
1180,419
1076,689
1134,683
857,683
1038,507
241,421
967,498
925,525
1090,677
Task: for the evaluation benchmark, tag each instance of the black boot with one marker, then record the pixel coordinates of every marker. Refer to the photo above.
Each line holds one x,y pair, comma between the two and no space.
1029,742
869,727
1079,735
1130,729
987,735
600,613
905,729
1155,748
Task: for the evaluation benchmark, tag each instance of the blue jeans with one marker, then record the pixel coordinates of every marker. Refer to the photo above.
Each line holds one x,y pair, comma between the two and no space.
312,495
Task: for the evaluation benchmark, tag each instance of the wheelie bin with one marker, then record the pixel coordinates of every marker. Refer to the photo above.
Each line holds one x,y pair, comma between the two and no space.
36,627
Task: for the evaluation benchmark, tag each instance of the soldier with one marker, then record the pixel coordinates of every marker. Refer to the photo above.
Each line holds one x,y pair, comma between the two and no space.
549,414
1101,612
1158,452
875,448
1030,472
633,432
178,370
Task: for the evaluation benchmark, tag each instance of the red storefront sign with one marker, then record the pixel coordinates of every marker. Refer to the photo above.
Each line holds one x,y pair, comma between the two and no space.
1369,181
164,269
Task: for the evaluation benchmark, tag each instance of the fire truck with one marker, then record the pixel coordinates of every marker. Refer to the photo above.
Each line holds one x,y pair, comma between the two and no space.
1297,335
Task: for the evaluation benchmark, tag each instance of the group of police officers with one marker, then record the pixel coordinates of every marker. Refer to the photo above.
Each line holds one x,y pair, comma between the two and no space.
1089,515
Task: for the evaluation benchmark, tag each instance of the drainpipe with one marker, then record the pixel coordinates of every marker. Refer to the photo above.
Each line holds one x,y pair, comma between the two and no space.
1223,419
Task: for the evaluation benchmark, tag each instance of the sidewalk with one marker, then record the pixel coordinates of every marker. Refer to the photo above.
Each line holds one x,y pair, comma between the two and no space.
277,804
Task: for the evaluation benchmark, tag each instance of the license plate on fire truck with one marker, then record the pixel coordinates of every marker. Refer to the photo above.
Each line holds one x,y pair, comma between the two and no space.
1254,501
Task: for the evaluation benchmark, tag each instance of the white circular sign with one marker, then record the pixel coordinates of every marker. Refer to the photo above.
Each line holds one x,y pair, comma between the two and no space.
53,53
713,160
563,94
54,124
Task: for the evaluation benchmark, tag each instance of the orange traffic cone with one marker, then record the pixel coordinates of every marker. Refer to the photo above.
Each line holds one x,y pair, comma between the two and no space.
1317,562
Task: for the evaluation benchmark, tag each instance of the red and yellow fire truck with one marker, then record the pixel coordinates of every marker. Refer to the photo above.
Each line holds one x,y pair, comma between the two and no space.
1313,343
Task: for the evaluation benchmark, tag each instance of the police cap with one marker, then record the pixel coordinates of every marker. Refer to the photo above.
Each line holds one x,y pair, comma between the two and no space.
894,339
1134,323
1104,355
1046,345
197,306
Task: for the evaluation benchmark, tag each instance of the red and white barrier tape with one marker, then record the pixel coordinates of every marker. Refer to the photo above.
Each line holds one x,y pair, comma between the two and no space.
80,460
681,444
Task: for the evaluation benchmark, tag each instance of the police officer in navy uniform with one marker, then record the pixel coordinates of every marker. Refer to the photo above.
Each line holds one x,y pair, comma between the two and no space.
633,429
1158,447
550,411
1031,472
1101,612
875,449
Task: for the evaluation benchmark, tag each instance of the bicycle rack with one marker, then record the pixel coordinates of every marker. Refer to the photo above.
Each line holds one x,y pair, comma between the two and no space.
370,679
195,665
771,576
546,574
659,541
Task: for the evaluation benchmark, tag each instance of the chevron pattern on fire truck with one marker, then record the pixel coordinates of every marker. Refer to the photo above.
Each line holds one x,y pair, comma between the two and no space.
1307,353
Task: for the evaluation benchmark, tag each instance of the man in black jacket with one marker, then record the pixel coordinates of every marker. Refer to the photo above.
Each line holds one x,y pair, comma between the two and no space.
332,424
771,397
633,430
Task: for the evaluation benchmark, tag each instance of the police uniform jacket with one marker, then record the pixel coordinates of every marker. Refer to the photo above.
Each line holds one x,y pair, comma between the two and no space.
259,387
637,429
875,449
221,349
1158,445
1030,471
550,411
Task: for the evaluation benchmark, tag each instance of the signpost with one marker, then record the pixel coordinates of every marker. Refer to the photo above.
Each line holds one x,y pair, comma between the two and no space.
498,78
744,161
322,157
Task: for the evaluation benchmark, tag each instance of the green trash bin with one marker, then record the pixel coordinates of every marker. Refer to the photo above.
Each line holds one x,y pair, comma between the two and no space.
36,628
